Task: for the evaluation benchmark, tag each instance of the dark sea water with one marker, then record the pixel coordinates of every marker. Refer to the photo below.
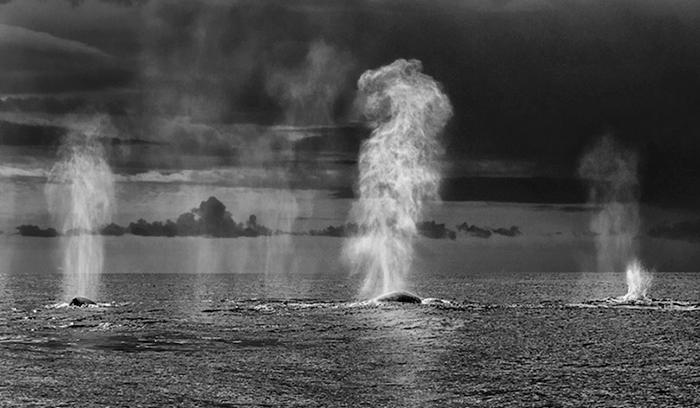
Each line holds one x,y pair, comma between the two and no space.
288,331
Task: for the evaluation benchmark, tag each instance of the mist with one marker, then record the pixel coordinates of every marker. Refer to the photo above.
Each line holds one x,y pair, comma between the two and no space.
611,171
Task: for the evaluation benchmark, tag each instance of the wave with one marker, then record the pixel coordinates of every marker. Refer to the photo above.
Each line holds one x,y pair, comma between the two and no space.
61,305
645,304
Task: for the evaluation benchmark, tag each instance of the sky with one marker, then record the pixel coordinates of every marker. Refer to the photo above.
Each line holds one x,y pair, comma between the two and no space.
183,85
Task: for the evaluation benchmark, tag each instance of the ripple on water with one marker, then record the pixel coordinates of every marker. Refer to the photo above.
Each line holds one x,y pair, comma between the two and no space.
643,304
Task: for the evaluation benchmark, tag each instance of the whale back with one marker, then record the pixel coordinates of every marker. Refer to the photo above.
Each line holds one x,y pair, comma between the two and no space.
81,301
398,297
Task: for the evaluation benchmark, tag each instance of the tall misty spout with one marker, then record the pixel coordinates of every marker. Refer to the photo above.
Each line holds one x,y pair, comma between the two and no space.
611,172
80,194
398,171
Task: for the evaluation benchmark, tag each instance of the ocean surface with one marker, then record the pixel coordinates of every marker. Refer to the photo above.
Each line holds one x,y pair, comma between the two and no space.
275,322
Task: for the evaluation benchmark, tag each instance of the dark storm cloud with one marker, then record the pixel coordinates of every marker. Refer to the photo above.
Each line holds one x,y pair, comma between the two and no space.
37,61
48,47
530,80
247,61
77,3
533,79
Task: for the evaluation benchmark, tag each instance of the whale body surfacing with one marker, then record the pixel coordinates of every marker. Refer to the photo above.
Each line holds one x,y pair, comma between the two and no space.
81,302
400,296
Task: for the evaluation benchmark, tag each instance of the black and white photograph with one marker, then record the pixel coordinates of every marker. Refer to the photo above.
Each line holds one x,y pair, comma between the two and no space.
350,203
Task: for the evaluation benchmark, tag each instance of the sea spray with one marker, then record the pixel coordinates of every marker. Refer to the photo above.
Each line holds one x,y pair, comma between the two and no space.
80,194
278,247
611,172
309,93
638,281
399,171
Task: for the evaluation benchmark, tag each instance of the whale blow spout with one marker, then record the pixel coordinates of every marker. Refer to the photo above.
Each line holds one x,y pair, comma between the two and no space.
81,302
400,168
80,196
398,297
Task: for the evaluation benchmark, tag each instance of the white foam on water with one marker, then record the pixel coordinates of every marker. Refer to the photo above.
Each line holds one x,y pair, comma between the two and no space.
638,281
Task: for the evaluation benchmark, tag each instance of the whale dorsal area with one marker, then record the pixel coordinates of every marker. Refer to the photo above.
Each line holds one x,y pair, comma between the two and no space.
81,301
399,297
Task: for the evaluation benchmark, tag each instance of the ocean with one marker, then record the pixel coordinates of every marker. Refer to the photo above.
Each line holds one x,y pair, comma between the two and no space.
258,322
